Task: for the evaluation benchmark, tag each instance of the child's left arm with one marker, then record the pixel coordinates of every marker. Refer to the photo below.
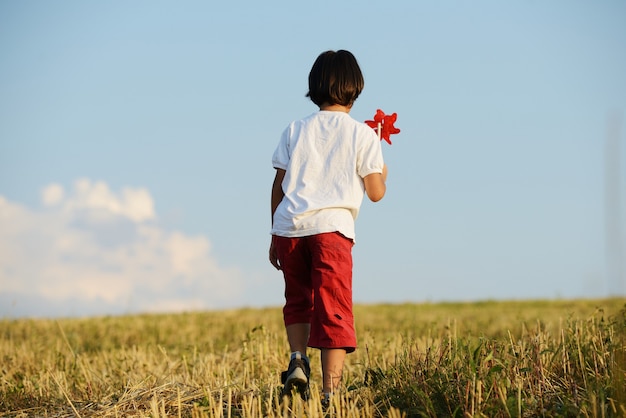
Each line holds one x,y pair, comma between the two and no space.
277,190
277,197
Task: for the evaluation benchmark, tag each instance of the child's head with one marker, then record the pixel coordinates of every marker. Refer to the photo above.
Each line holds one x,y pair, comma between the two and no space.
335,79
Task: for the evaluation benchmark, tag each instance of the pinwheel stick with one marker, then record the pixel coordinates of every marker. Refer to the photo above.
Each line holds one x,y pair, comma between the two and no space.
380,130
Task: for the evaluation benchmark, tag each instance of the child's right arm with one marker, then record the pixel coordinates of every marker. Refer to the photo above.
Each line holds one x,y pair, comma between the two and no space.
375,185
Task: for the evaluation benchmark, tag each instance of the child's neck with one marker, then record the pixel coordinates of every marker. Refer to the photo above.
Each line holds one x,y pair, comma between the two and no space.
335,108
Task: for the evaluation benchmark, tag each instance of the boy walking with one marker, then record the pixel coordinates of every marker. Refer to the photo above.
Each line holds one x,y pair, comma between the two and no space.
325,164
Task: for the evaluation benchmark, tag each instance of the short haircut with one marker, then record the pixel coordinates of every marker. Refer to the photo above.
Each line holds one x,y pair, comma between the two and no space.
335,78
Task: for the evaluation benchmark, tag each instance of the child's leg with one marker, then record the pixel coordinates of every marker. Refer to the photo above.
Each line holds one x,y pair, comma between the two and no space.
332,325
298,337
332,368
293,256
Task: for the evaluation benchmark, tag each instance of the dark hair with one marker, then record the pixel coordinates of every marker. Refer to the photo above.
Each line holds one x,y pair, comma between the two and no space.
335,78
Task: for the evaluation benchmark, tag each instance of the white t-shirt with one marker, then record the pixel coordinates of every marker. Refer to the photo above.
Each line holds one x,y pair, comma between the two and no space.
326,156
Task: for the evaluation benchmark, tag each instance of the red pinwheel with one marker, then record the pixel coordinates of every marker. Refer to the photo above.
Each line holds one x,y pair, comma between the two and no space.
383,124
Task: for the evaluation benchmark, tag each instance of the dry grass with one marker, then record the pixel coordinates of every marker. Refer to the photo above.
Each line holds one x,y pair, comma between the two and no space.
492,359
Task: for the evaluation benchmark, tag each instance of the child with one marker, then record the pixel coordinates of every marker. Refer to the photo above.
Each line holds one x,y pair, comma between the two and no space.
324,163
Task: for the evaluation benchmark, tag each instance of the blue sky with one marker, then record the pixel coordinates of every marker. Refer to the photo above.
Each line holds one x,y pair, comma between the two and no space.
136,142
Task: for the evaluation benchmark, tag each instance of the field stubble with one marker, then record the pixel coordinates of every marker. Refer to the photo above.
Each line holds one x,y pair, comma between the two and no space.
492,359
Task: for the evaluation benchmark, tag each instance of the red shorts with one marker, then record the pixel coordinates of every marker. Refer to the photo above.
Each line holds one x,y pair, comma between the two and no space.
318,287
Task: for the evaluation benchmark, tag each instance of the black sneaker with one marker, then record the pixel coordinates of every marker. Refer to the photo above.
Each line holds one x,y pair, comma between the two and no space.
297,377
326,400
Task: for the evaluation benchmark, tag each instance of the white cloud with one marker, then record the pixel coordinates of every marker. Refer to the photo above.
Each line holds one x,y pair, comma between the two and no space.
99,200
93,247
52,195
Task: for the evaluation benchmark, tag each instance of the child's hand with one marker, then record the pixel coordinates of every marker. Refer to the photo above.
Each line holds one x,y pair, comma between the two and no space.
273,257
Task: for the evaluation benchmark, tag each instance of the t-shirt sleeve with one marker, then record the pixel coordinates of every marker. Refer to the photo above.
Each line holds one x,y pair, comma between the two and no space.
370,158
281,156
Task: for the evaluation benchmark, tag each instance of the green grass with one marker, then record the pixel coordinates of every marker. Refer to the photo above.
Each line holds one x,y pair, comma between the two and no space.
492,359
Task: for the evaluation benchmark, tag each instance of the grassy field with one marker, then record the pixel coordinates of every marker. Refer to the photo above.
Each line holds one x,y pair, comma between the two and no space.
492,359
